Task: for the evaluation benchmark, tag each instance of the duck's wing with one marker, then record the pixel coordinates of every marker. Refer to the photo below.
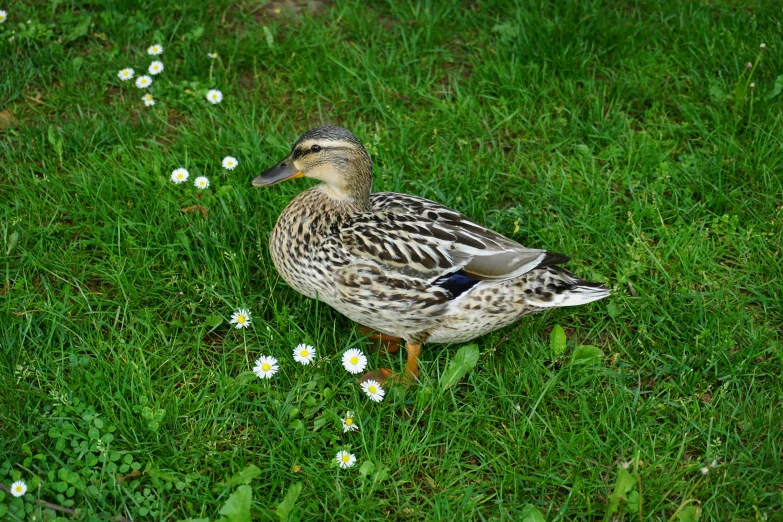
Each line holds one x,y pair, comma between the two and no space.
421,237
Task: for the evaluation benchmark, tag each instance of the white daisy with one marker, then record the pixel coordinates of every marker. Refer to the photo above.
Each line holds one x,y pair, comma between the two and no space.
3,16
142,82
345,459
354,360
155,49
212,55
266,367
149,101
242,316
230,163
125,74
704,470
214,97
18,488
373,390
349,423
179,175
201,183
304,353
156,67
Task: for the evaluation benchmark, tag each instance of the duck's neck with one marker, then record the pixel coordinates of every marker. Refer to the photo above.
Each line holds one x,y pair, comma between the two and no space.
344,201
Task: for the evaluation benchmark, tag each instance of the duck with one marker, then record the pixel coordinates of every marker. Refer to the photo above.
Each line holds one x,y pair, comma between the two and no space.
401,265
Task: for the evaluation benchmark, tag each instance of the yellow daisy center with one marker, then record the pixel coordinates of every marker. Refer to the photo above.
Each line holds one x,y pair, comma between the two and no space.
179,176
265,367
354,360
372,389
18,489
303,353
240,318
346,458
349,421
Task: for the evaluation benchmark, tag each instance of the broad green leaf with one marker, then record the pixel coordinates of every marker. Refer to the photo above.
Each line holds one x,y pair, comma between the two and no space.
51,135
506,30
689,514
152,470
381,474
270,40
80,30
716,93
464,361
366,468
244,476
237,507
587,355
557,339
624,485
612,309
12,241
776,88
633,502
530,513
287,504
224,190
213,321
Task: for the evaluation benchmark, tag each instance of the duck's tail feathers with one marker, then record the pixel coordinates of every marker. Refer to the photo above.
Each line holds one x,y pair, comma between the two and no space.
554,287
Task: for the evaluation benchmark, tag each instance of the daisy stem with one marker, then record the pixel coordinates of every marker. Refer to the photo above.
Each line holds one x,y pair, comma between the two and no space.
244,342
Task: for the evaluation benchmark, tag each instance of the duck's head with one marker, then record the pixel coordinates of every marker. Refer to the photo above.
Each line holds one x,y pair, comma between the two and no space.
330,154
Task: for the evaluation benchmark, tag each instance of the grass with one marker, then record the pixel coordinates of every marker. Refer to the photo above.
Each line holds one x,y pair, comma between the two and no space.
623,134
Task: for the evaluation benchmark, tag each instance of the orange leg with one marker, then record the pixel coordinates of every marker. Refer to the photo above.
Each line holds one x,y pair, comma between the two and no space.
383,375
389,343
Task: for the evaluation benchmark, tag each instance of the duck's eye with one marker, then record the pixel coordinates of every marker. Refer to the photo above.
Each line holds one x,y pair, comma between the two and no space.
315,148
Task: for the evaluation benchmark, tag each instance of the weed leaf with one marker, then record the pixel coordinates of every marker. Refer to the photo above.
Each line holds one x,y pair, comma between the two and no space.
244,476
587,355
689,514
776,88
557,339
366,468
624,485
237,507
287,504
464,361
530,513
213,321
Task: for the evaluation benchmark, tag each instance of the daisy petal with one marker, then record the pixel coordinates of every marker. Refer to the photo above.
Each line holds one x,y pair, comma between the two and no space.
265,367
241,318
345,459
354,361
18,488
373,390
304,354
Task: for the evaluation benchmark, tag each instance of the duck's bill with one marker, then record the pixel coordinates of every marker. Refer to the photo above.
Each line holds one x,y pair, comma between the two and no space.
280,172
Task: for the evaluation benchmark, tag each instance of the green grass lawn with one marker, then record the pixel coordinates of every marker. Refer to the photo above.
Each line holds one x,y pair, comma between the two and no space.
624,134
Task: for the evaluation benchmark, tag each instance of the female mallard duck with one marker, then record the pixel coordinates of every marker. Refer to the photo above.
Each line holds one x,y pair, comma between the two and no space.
403,265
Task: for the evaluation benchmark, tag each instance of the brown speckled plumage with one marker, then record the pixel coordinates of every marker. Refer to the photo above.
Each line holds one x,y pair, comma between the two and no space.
400,264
